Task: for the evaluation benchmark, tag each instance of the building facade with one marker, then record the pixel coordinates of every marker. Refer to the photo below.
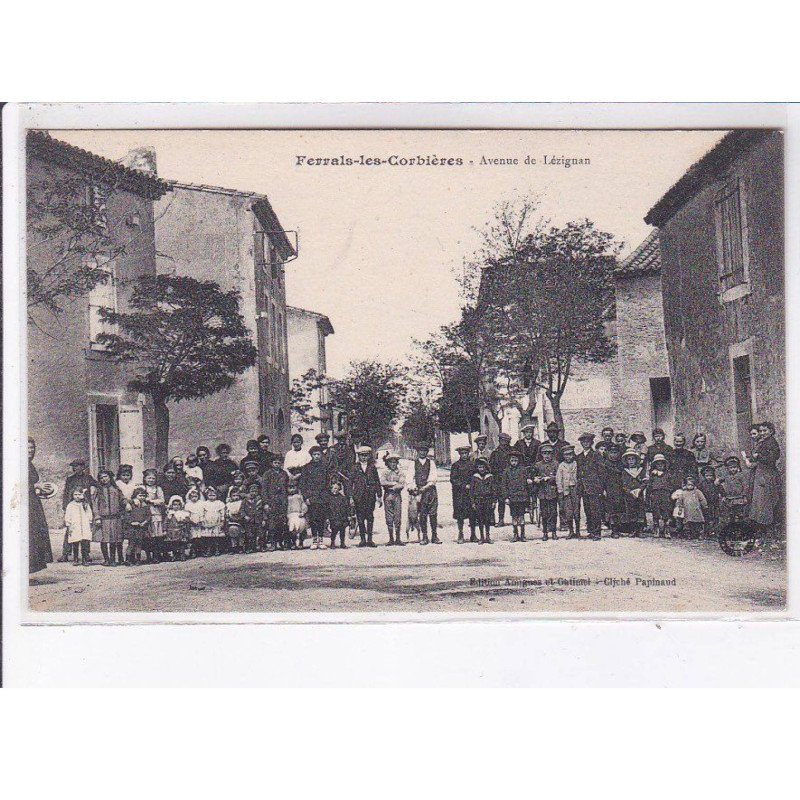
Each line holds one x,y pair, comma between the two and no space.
79,405
643,391
235,239
307,331
721,237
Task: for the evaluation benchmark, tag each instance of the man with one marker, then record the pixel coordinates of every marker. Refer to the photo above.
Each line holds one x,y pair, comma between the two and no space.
365,488
393,480
481,451
342,458
266,455
314,483
528,446
682,461
554,438
498,461
79,479
659,447
591,477
606,440
461,473
422,480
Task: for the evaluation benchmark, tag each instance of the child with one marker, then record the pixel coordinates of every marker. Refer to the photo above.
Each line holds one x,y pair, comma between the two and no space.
659,496
461,473
137,524
707,484
544,479
252,513
108,506
634,481
614,495
237,482
482,493
296,511
515,489
176,528
734,486
193,471
195,507
125,482
567,487
78,519
337,510
233,513
689,505
213,522
154,543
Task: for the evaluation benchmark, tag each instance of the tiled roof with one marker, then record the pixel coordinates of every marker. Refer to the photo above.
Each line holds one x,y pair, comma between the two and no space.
708,169
644,260
322,319
42,145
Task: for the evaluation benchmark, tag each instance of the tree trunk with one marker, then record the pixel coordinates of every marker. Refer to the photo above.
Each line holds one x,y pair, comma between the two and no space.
555,403
161,412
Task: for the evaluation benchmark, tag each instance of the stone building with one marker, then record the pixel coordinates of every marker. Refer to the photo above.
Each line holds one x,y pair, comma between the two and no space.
79,405
233,238
307,331
722,264
643,392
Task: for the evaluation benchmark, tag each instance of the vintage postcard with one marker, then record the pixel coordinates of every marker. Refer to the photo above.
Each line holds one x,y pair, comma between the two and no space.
517,371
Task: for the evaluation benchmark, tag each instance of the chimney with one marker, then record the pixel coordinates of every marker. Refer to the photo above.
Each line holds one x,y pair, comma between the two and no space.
142,159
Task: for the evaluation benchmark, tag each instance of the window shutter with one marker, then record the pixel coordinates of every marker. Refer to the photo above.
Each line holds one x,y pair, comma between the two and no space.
131,439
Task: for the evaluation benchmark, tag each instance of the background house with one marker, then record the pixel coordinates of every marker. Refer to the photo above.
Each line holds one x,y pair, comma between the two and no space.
233,238
79,405
722,261
643,391
307,331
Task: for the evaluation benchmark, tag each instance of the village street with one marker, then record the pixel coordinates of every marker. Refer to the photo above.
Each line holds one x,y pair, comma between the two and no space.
454,578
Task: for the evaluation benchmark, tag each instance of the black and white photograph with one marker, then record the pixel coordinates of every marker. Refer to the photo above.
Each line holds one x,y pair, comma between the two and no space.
409,371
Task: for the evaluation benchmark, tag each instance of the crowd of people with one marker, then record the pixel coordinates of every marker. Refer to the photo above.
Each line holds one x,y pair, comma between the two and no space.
620,482
265,501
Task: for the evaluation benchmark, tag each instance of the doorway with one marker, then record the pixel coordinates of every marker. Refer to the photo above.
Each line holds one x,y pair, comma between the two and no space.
661,404
106,438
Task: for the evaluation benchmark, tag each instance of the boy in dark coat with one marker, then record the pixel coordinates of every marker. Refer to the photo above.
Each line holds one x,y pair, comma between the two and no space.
275,494
314,484
365,491
482,493
515,487
613,490
590,484
544,481
658,500
461,473
498,461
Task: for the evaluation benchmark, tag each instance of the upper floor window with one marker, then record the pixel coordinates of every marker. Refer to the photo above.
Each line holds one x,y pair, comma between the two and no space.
729,210
103,295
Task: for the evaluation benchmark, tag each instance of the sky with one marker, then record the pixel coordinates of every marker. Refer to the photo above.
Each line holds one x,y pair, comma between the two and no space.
378,244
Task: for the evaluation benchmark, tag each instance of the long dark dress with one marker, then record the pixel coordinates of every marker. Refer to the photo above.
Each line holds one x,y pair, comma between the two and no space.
40,551
108,505
766,482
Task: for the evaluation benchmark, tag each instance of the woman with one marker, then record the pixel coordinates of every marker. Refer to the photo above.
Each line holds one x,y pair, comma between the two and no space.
296,458
40,551
764,505
109,503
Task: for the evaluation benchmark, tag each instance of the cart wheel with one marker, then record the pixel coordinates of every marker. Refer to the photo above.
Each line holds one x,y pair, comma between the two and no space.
737,538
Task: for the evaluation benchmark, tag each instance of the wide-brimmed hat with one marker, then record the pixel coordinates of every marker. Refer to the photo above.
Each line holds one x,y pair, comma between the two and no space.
391,456
364,450
659,457
528,427
546,448
631,453
481,437
586,436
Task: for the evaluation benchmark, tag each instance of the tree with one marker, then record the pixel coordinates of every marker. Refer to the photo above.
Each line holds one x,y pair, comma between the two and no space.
547,308
419,423
303,394
372,395
186,340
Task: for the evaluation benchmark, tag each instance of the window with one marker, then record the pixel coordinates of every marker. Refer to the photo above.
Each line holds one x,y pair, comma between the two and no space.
742,399
731,236
106,436
103,295
275,339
